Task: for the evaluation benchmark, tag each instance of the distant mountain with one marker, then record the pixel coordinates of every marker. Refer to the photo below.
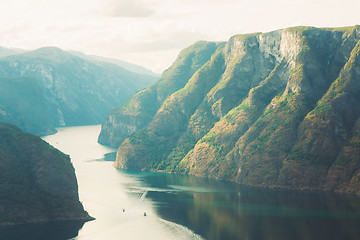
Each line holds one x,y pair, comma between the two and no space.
4,52
37,181
278,109
48,88
126,65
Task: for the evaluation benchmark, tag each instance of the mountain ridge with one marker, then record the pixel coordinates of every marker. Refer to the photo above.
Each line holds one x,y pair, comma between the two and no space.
126,65
258,112
4,52
70,90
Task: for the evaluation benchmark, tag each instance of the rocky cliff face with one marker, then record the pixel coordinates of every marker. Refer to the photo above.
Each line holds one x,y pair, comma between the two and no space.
48,88
276,109
37,181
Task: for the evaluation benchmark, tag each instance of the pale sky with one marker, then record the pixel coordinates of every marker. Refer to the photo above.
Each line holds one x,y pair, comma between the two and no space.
151,33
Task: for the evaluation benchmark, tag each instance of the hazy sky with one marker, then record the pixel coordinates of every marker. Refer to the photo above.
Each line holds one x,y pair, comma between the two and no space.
152,32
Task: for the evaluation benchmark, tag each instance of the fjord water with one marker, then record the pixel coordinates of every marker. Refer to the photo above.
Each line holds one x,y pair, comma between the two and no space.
183,207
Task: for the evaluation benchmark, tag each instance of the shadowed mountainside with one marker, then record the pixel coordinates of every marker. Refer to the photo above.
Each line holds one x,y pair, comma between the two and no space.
37,181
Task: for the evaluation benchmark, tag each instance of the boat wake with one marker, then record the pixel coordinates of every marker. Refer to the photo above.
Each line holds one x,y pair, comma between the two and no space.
180,231
143,195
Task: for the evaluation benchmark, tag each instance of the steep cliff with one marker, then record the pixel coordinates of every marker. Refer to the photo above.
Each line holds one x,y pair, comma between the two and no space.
276,109
48,88
138,111
37,181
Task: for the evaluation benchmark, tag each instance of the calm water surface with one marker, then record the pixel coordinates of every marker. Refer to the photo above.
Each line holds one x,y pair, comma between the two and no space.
181,207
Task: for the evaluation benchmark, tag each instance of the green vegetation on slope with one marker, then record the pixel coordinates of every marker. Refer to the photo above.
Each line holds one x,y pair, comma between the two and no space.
170,122
37,181
138,111
280,110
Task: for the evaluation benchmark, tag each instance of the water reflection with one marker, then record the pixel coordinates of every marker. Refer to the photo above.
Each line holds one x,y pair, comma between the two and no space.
218,210
105,192
54,231
183,207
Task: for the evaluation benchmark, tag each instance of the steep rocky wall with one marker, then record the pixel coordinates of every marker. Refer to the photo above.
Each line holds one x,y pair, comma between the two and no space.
274,109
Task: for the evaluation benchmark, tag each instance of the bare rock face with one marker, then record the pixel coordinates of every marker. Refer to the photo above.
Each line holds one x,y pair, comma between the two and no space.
276,109
37,181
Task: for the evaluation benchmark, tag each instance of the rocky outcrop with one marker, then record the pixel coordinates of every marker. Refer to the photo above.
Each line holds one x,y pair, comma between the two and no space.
276,109
37,181
48,88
